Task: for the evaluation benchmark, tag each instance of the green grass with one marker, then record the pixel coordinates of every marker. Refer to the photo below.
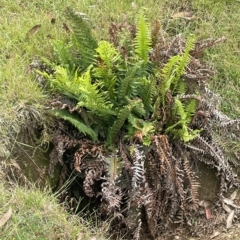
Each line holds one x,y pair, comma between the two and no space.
220,18
19,91
36,215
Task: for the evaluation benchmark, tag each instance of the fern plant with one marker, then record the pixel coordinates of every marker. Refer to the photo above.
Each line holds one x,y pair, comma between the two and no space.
119,93
126,98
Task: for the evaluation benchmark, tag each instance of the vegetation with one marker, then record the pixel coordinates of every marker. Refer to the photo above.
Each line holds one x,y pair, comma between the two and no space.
209,19
146,99
112,87
140,98
36,215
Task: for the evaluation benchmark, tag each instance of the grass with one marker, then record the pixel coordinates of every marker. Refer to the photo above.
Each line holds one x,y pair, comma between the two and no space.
19,90
220,18
36,215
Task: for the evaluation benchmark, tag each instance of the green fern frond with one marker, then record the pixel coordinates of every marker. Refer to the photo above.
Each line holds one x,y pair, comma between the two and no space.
139,110
140,128
122,116
174,69
88,94
180,111
108,59
128,85
191,109
189,135
186,56
140,124
107,53
142,41
107,83
168,75
185,59
180,128
92,97
73,119
185,134
147,91
63,53
182,88
185,111
62,81
82,38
